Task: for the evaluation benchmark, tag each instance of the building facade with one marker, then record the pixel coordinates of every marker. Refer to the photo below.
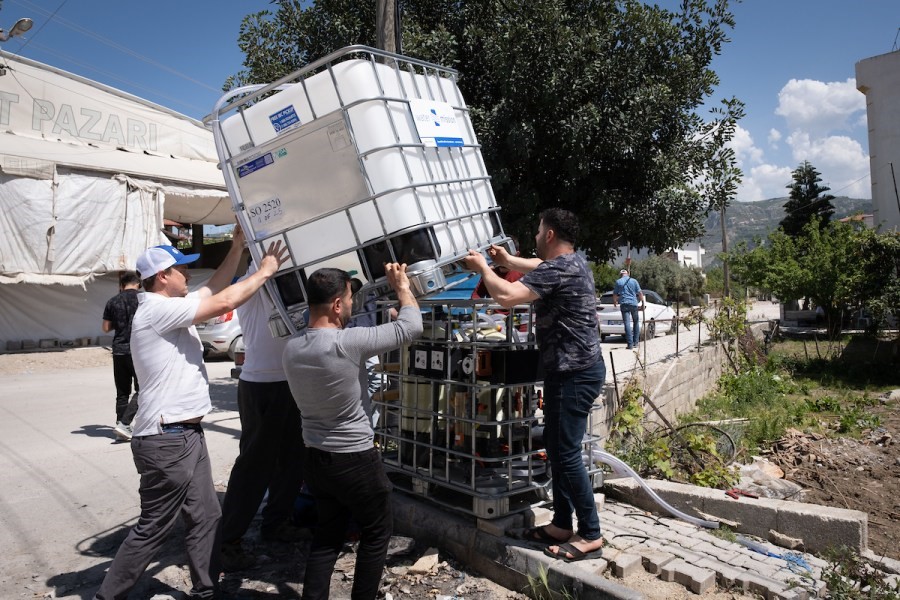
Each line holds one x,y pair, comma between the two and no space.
878,78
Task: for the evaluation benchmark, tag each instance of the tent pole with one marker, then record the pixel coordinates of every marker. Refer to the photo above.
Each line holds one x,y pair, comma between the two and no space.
197,238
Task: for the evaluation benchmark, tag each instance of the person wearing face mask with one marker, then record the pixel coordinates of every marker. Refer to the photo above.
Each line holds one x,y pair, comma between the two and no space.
326,371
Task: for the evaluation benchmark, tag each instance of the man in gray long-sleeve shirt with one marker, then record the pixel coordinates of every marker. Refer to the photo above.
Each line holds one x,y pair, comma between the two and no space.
326,370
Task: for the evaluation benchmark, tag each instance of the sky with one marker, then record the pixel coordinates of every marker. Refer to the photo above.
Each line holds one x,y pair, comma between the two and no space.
792,62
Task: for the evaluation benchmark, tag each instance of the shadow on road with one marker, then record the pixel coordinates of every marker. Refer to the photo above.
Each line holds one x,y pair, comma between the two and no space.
84,583
98,431
278,575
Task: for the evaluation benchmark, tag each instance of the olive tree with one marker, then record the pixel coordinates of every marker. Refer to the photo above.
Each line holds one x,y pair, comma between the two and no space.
667,277
840,267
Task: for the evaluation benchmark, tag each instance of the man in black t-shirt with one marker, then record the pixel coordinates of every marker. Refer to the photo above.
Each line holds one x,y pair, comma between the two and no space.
117,316
561,285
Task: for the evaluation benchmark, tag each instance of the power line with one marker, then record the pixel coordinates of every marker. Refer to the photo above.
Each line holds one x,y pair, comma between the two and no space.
115,77
87,32
819,199
851,183
44,24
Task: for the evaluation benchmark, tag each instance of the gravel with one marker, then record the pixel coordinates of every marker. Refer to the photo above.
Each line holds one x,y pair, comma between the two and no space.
42,361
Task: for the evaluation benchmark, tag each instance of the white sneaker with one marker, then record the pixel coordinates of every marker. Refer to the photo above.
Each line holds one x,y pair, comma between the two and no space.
122,431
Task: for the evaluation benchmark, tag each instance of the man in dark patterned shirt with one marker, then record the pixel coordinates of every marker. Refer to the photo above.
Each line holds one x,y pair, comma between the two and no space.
561,286
117,316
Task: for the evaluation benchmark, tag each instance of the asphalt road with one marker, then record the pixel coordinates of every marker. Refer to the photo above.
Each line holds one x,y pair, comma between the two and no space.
68,491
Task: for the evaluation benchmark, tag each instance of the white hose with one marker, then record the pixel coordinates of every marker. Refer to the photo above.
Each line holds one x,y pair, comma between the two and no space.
623,469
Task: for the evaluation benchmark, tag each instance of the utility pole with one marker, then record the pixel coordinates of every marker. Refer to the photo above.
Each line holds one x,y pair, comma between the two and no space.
726,287
386,26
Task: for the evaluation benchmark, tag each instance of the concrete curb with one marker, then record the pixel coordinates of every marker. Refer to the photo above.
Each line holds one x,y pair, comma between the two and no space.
820,527
504,560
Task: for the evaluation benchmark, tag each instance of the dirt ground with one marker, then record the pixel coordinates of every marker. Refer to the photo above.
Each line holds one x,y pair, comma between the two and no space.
861,474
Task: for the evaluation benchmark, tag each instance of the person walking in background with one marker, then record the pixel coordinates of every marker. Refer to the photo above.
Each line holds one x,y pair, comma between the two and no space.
168,444
117,316
326,369
628,295
561,285
271,446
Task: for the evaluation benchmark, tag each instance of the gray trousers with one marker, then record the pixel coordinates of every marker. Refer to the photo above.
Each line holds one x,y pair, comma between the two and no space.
176,478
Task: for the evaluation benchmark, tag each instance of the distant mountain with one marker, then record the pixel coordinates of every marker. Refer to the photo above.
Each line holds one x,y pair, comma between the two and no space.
745,221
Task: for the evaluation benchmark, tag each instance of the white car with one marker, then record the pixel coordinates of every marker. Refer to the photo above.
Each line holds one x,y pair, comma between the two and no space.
655,318
221,335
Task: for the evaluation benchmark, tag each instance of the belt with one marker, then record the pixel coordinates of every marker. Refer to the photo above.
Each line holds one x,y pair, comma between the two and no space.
181,427
326,453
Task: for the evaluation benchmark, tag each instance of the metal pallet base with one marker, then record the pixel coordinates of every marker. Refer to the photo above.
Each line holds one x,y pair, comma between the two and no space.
482,506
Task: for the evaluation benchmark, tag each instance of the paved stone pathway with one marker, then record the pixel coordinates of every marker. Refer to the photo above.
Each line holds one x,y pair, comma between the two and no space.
679,551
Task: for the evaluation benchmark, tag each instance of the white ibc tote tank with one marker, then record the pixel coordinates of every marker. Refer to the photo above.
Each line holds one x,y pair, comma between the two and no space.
360,158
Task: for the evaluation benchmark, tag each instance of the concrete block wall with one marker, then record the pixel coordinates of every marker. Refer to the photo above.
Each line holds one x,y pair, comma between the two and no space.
819,527
674,385
694,374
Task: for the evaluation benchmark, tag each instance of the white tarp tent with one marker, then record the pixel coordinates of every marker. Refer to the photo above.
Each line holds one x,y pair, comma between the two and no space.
87,174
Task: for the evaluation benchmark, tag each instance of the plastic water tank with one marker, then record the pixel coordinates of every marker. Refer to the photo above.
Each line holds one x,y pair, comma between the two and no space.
359,159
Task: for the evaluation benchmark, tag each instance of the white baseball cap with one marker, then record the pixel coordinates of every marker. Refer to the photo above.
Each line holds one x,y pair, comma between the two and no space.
623,272
160,258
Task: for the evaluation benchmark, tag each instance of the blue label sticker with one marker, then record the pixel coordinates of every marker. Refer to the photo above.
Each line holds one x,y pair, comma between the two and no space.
443,142
284,118
255,165
436,123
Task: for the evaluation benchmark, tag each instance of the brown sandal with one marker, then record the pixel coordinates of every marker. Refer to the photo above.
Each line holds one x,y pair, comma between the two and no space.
570,553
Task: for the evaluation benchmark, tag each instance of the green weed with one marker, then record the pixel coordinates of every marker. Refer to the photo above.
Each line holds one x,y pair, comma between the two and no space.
539,586
849,577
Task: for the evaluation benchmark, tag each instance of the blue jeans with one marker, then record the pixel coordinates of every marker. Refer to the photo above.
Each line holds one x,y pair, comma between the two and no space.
347,485
631,313
568,398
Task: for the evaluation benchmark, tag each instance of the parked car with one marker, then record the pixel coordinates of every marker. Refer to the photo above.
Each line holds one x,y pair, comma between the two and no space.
221,335
655,318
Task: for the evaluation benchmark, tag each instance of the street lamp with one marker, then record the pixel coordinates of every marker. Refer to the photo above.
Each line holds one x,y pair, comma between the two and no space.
21,26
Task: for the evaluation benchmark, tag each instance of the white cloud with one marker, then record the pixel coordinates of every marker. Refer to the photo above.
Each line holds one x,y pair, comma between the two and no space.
745,150
761,180
841,161
764,181
819,107
819,117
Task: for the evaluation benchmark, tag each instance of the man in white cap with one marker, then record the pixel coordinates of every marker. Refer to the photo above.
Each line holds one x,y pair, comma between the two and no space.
168,445
627,294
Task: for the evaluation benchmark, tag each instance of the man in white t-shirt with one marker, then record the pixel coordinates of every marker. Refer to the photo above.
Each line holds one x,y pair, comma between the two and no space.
168,445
